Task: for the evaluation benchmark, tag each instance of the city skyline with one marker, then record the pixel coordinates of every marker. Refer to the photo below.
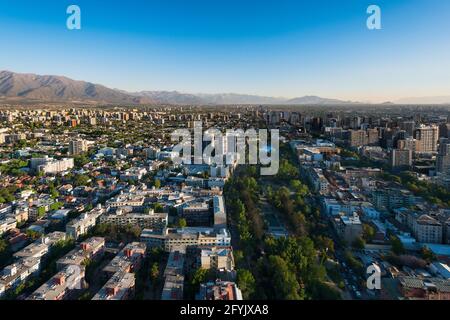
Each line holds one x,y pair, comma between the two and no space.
322,49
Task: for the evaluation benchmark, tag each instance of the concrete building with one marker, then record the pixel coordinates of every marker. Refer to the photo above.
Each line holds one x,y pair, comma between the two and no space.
219,213
219,290
174,275
81,225
77,147
50,165
62,285
348,228
427,229
20,271
424,289
171,239
401,158
127,260
427,137
151,220
40,247
443,158
7,224
120,286
217,258
89,249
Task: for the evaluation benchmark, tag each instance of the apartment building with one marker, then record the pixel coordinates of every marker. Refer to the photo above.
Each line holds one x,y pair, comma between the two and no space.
62,285
51,166
171,239
348,228
77,147
219,290
427,137
174,275
20,271
39,248
81,225
151,220
89,249
120,286
427,229
217,258
127,260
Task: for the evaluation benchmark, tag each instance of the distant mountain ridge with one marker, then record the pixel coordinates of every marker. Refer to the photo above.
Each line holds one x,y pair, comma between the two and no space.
48,88
58,88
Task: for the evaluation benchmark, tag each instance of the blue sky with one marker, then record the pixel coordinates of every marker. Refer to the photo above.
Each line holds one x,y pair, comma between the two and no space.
277,48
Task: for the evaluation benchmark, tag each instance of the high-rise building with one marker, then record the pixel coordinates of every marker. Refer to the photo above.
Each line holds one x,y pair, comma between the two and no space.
373,138
408,127
357,138
401,158
443,158
77,147
444,130
427,137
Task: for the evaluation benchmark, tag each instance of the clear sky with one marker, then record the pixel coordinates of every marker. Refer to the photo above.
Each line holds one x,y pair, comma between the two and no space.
283,48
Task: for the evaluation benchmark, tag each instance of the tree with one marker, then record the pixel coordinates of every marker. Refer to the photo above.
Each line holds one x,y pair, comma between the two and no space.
246,282
368,232
157,184
182,223
81,180
427,254
284,281
397,246
158,207
154,272
5,253
359,243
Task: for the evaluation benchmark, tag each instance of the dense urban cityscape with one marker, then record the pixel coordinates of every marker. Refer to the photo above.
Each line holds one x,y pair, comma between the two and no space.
224,159
94,207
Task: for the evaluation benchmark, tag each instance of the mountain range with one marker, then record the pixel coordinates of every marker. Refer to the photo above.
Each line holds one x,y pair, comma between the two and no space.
48,88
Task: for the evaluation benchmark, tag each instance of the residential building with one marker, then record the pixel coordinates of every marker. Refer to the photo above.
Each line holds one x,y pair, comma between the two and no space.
171,239
174,275
219,290
77,147
83,223
119,287
62,285
51,166
89,249
427,137
217,258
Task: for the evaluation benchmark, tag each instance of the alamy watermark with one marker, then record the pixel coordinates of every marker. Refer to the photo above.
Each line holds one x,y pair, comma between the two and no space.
229,148
74,19
374,279
374,20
